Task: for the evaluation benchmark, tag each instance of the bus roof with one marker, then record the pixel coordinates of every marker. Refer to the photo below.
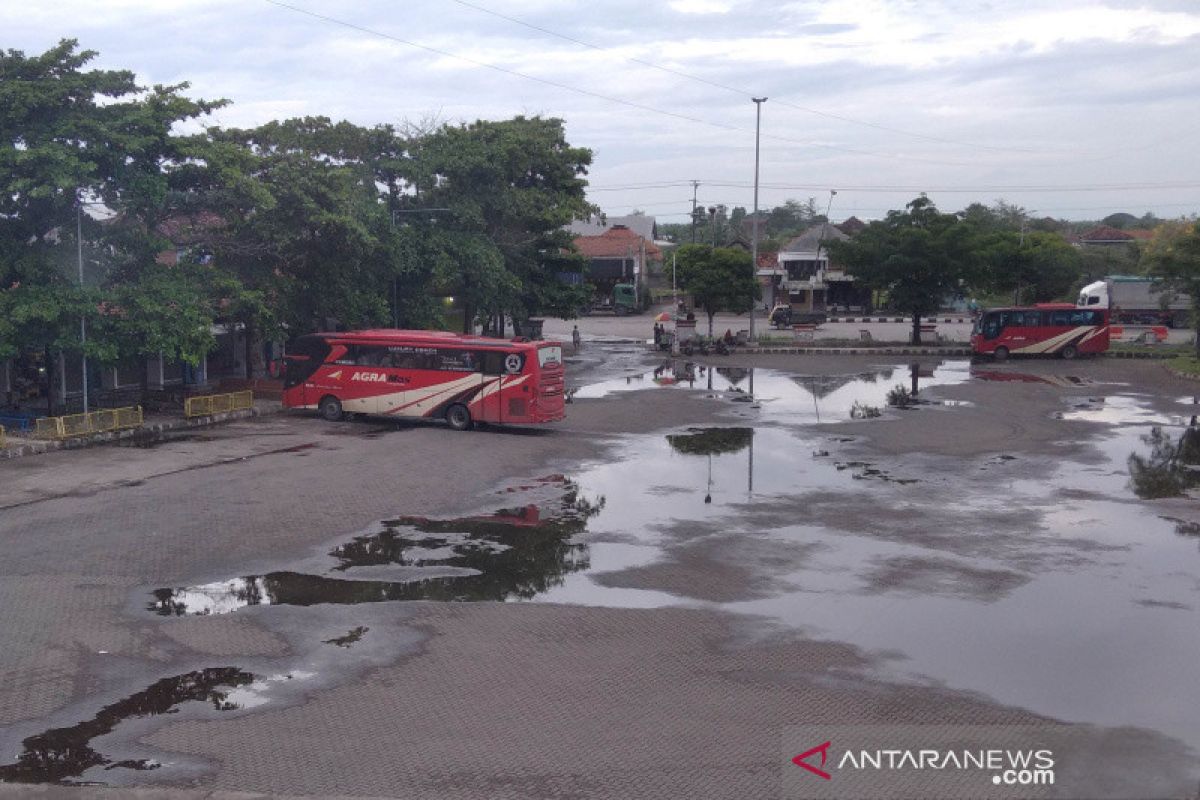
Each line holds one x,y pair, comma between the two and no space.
381,335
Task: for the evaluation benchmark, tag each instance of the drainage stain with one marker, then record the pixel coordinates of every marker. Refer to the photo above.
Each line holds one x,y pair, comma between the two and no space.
62,753
354,635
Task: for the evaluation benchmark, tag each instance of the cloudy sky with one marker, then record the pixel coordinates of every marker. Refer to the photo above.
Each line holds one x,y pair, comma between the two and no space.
1069,109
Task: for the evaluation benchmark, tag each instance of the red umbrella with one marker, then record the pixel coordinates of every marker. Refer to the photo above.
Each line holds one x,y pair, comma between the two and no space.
664,317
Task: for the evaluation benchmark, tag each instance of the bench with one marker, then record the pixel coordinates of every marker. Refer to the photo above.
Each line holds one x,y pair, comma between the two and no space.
929,332
805,330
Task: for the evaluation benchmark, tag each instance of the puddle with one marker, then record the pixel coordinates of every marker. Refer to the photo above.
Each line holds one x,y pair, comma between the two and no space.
788,397
1046,585
63,753
1170,468
514,553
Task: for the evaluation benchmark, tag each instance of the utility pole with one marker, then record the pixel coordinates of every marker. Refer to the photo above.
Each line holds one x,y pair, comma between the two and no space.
82,320
695,188
758,101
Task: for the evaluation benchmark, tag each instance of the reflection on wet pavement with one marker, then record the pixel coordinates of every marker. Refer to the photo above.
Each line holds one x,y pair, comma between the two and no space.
62,753
1171,468
513,553
1040,583
788,397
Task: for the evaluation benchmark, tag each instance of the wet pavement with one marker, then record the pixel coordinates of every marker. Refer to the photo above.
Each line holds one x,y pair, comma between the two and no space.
959,598
1068,587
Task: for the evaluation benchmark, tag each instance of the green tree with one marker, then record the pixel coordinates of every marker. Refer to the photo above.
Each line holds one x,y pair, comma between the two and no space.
1174,256
76,135
917,256
720,279
1035,267
510,186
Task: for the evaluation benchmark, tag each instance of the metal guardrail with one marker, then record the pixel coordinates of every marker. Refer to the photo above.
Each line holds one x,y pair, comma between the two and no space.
108,419
209,404
3,439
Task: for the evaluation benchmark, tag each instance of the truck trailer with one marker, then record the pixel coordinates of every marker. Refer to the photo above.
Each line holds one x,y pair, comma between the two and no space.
1138,300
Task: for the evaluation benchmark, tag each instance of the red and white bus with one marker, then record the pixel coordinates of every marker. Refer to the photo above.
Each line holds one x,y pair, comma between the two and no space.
1045,329
461,378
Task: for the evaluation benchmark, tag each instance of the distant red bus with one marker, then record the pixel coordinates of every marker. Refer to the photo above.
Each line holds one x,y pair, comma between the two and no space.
461,378
1045,329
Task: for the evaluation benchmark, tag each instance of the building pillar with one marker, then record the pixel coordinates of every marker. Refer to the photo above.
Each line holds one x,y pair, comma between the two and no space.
154,372
62,379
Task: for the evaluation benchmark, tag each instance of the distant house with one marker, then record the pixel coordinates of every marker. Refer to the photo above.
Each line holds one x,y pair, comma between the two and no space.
641,224
618,255
804,276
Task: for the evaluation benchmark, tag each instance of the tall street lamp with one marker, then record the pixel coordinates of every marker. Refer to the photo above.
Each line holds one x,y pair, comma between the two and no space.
758,101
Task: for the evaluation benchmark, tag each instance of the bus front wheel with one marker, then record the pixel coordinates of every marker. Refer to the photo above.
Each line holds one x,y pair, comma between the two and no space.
330,408
1001,354
1069,352
459,417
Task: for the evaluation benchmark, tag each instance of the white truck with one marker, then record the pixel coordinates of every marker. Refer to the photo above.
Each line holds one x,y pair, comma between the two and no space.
1138,300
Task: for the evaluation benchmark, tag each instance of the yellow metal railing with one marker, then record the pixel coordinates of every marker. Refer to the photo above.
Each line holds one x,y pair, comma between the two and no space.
209,404
3,440
107,419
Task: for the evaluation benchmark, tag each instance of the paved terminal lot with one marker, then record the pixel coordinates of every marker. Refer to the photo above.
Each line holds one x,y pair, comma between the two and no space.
642,601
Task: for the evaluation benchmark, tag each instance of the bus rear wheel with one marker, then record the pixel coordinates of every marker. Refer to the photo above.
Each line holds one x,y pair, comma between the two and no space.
458,417
330,408
1000,354
1069,352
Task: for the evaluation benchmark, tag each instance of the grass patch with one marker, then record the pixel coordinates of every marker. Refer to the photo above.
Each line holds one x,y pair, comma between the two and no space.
1188,364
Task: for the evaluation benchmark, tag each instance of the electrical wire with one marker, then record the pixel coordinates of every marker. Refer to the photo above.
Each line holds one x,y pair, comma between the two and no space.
600,96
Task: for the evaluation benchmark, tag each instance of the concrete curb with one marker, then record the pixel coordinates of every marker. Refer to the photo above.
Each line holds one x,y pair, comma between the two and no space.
148,431
933,321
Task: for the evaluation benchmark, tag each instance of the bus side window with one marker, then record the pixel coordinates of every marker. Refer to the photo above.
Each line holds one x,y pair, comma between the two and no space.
412,361
1033,319
1081,317
493,362
1060,318
368,356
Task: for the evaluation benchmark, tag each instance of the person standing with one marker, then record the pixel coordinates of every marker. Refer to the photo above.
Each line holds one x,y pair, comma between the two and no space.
576,339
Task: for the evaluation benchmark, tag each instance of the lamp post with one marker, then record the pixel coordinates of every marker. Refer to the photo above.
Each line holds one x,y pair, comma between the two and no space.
82,319
824,233
758,101
396,278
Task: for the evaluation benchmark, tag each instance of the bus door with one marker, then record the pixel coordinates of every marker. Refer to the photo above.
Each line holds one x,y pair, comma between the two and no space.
495,375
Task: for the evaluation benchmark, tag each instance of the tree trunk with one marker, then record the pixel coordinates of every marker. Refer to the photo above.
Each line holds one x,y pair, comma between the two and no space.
916,337
711,314
1196,323
468,318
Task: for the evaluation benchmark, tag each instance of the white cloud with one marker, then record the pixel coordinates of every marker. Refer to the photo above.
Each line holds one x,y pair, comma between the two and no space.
700,6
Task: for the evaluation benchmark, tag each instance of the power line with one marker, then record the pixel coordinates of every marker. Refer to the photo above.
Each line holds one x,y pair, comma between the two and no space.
1030,188
598,95
740,91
